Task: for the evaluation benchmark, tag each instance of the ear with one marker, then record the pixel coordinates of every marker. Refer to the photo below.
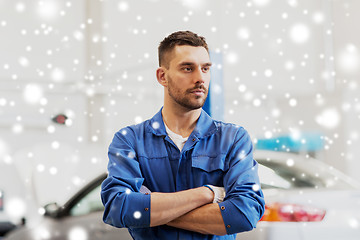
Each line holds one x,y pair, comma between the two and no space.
160,75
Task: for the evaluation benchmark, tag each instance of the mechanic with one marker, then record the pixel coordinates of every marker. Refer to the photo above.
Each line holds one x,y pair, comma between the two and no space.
181,174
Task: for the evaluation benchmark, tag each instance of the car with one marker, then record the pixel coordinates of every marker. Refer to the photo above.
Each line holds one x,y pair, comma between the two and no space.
12,205
80,218
305,199
5,224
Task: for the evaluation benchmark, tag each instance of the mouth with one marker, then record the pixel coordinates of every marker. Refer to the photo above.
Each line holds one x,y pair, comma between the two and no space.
199,89
198,92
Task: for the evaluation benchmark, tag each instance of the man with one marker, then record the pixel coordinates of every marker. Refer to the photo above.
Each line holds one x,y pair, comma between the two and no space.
167,175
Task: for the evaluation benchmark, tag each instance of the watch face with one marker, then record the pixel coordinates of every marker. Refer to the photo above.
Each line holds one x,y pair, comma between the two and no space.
1,200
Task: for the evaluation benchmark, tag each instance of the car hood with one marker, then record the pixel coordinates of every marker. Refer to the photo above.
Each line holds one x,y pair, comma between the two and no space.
327,199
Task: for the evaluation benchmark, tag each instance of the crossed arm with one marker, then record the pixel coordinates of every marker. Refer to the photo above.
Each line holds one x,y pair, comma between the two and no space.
191,210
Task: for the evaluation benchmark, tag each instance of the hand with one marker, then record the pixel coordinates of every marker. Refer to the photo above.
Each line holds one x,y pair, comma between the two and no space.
219,193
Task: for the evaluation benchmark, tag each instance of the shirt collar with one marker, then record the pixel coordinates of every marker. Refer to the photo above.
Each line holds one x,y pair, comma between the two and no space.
205,125
156,124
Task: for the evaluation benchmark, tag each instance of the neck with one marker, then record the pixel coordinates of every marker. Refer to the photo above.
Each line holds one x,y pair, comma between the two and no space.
180,120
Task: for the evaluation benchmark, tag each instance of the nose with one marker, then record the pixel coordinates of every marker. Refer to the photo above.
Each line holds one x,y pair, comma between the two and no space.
199,76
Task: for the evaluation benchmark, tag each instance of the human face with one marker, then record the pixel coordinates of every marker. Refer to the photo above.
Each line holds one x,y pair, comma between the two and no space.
188,76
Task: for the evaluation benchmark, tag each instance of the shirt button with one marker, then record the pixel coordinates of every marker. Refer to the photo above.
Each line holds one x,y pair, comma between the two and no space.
222,207
146,209
228,226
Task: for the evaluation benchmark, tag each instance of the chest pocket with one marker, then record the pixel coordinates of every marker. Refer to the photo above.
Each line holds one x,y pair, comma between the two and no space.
209,170
209,164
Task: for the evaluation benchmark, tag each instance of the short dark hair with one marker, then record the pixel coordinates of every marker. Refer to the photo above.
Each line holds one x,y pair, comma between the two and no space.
177,39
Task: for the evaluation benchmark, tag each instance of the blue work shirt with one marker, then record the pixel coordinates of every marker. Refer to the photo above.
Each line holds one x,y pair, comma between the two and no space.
215,153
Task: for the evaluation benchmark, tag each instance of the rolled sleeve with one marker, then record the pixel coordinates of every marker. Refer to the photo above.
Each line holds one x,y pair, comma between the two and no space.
138,210
244,203
241,224
124,205
128,209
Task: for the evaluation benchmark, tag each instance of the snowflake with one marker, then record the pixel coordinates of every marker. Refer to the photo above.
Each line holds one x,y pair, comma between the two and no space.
349,59
290,162
268,134
78,233
256,187
156,125
123,6
232,58
137,215
48,9
33,93
328,118
261,3
57,75
243,33
138,119
198,4
16,208
353,222
53,170
318,17
299,33
268,73
42,233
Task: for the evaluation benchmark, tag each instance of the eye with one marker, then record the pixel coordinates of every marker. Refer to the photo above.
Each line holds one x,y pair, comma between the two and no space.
206,69
187,69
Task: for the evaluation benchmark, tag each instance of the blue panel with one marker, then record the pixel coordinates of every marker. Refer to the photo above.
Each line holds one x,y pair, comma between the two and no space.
207,105
312,142
214,104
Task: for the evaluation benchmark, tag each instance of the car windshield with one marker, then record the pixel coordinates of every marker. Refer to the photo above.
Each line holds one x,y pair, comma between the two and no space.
283,176
88,204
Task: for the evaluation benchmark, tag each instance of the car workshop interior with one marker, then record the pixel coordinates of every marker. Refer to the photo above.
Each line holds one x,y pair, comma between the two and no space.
74,72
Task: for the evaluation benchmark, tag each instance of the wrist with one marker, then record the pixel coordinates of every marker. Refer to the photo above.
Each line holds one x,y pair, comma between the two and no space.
208,193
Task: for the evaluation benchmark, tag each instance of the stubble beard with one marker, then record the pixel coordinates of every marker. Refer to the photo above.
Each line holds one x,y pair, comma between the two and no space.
184,99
